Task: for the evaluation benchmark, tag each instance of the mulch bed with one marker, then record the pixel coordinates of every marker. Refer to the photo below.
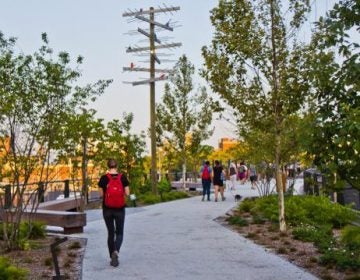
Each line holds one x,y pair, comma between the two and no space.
38,260
302,254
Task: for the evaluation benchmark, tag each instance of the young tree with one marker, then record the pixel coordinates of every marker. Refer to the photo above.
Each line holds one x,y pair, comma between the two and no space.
335,77
252,66
127,148
184,117
36,92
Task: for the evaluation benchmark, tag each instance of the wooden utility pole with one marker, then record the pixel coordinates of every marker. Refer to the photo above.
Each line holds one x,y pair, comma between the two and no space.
152,103
140,15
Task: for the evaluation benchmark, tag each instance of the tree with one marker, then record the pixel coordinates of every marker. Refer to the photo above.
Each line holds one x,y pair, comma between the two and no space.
82,136
252,67
183,117
334,76
127,148
36,92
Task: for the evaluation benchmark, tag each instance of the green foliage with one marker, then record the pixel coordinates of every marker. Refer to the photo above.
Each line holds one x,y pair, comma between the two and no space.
32,230
247,205
237,220
145,188
334,74
164,186
258,219
310,210
149,198
10,272
184,116
174,195
317,210
341,258
350,237
311,233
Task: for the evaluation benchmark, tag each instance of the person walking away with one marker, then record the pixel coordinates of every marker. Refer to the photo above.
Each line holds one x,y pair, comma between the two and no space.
253,176
232,174
205,174
218,180
113,187
242,172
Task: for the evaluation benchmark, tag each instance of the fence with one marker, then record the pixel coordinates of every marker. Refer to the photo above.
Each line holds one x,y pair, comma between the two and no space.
45,191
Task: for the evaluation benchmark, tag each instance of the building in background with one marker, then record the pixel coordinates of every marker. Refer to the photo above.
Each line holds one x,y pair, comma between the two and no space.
227,143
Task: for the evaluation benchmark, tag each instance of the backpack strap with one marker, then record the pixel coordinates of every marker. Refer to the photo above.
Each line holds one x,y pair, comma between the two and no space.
110,177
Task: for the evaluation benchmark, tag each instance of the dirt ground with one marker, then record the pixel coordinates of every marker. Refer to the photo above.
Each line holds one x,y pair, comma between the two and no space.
39,262
302,254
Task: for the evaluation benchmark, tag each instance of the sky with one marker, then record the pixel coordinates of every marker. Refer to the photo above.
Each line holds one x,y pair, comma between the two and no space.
97,31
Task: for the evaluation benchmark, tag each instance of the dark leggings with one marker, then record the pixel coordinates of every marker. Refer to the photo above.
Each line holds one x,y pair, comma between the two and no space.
114,220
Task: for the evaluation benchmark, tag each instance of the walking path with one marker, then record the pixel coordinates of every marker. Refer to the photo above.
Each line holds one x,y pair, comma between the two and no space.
181,240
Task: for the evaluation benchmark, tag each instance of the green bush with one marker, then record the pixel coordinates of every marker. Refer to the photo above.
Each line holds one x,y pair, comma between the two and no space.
315,210
247,205
32,230
321,235
150,198
350,237
10,272
237,220
145,188
174,195
341,258
164,186
267,207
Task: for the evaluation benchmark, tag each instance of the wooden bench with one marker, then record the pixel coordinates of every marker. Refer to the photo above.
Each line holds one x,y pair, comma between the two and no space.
65,204
191,186
71,222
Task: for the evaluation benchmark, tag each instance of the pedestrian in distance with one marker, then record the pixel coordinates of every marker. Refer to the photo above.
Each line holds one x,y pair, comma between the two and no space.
113,189
205,174
218,180
253,176
242,173
232,175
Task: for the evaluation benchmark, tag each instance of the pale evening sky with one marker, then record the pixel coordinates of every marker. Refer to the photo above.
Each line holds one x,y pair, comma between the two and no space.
96,30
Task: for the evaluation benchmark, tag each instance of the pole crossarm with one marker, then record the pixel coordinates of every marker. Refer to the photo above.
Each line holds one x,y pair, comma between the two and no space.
142,31
165,46
140,69
144,82
165,26
147,12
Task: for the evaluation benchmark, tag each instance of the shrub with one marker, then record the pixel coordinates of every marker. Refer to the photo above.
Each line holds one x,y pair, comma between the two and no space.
236,220
10,272
150,198
164,186
173,195
246,205
257,219
309,233
32,230
341,258
145,188
350,237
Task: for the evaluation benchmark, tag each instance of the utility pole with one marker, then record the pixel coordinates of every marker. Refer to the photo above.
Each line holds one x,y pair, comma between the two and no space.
148,16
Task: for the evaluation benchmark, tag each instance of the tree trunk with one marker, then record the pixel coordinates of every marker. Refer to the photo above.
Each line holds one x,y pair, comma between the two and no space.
84,171
184,174
277,119
279,187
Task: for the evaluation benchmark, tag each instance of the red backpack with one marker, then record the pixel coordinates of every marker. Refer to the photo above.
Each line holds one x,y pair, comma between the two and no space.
205,174
114,195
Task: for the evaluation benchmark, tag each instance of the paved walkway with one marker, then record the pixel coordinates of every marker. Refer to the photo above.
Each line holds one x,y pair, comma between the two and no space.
181,240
